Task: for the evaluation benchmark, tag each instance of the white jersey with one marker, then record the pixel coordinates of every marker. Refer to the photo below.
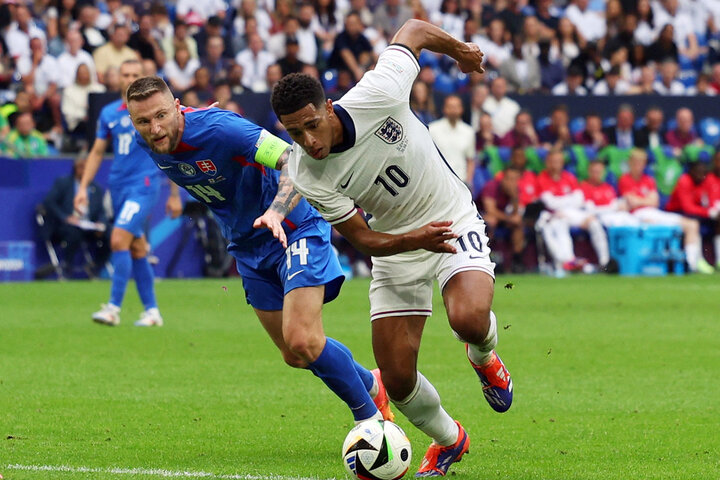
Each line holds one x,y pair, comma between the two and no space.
387,165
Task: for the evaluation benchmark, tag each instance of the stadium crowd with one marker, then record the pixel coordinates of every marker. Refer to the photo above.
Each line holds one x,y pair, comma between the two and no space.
55,53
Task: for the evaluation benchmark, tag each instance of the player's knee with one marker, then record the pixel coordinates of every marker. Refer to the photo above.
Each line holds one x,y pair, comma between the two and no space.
293,360
303,344
470,321
137,250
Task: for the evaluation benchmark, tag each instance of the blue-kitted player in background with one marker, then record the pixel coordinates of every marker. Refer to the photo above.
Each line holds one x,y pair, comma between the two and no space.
280,243
134,185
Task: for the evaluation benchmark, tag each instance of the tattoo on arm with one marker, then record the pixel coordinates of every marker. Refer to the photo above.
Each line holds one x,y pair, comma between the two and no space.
287,198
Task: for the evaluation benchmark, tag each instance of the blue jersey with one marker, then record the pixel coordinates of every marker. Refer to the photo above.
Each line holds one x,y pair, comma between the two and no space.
131,165
215,163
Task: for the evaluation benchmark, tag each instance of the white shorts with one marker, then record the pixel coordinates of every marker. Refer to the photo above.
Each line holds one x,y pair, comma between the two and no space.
403,284
657,216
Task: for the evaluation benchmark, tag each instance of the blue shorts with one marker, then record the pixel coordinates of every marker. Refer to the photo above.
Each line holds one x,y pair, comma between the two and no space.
269,272
132,207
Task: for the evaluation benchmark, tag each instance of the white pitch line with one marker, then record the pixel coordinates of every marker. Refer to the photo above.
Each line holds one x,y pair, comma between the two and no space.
158,472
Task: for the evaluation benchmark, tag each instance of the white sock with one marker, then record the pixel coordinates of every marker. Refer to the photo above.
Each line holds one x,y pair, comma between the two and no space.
716,243
374,389
599,240
480,354
557,240
422,407
692,255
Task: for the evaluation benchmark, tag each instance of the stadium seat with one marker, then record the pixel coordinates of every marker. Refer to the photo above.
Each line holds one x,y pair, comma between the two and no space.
577,125
536,158
579,160
330,80
444,83
609,122
428,59
710,130
541,123
495,158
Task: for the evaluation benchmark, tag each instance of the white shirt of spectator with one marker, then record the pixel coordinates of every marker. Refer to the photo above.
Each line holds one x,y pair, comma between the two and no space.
68,63
201,8
181,78
255,69
493,51
47,72
676,88
264,24
589,23
18,42
645,34
562,89
452,24
602,88
393,171
682,22
457,144
308,46
502,112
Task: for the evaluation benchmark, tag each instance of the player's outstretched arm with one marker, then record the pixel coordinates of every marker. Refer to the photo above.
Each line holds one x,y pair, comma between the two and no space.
418,35
432,237
283,203
173,206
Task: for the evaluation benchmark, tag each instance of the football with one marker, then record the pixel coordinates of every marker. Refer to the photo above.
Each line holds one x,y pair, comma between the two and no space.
376,450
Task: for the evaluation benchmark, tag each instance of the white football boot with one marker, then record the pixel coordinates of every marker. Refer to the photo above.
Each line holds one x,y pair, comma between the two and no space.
108,314
150,318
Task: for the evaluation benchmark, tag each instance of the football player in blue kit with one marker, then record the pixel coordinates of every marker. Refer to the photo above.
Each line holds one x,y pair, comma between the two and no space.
134,185
280,243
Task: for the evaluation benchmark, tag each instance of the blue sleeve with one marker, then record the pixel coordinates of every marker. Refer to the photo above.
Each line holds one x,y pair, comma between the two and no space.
239,136
103,130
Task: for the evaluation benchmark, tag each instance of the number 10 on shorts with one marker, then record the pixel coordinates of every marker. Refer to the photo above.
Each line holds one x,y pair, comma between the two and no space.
298,248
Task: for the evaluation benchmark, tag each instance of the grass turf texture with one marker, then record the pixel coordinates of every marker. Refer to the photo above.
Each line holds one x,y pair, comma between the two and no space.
615,378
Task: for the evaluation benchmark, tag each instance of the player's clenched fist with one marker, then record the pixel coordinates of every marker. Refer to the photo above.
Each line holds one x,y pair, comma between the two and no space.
433,237
471,59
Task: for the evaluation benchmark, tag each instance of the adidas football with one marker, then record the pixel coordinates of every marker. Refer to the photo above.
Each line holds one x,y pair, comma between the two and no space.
376,450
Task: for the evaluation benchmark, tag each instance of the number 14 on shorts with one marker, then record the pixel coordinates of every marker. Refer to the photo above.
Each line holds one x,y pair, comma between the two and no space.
298,248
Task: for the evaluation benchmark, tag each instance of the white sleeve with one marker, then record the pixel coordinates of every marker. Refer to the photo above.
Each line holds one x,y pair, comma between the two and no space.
334,207
571,200
391,80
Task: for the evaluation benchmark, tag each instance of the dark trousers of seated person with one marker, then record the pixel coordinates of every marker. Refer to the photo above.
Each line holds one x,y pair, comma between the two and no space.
72,238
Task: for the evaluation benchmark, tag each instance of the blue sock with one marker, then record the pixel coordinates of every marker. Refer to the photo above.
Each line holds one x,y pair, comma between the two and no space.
337,370
122,266
144,280
365,375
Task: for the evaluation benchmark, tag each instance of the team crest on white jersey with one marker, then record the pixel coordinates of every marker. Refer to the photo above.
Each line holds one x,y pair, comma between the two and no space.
186,169
390,132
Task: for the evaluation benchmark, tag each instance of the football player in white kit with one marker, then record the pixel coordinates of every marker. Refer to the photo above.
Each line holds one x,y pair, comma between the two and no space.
370,150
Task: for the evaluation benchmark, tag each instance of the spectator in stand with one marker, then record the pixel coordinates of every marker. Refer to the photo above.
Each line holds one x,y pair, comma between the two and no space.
647,29
214,28
309,42
480,93
455,139
589,23
715,78
527,183
24,141
145,43
557,133
75,104
569,41
601,199
640,193
40,74
667,12
197,12
622,133
612,84
73,56
450,18
277,42
512,16
255,60
646,83
391,15
484,136
19,33
180,38
180,70
500,208
93,36
593,134
684,133
214,61
115,51
328,22
715,171
234,79
273,75
352,52
663,48
522,135
291,62
702,86
495,47
652,134
531,37
422,103
573,84
112,80
552,72
522,72
668,83
203,85
502,109
560,193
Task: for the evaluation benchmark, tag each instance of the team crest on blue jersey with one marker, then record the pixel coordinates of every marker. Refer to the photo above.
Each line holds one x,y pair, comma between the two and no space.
391,131
207,166
186,169
125,121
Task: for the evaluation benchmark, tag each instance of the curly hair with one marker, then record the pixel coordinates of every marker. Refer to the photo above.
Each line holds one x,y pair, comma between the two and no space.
294,92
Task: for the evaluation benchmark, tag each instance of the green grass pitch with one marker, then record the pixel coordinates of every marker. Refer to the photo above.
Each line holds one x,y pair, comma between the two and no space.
615,378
